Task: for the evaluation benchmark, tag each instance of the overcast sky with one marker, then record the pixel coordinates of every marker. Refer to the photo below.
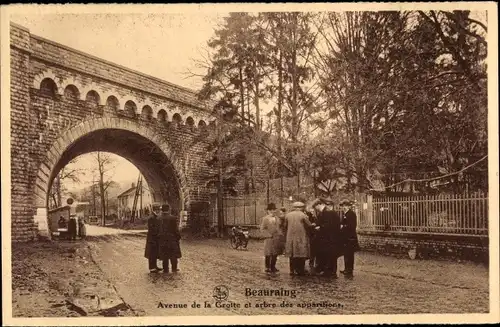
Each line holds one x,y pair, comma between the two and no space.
161,45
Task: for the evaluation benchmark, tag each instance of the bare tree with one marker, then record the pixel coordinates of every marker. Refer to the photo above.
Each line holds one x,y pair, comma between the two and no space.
68,173
105,164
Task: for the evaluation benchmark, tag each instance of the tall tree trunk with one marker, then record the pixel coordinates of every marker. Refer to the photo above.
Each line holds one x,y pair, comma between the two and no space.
256,98
242,93
280,107
294,104
59,191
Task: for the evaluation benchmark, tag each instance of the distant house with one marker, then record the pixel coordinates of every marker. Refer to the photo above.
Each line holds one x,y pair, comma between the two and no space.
126,202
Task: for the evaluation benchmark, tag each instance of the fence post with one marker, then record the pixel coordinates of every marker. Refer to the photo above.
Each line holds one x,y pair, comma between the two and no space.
369,207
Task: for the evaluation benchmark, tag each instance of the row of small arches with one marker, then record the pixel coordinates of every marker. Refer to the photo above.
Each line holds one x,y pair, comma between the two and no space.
49,87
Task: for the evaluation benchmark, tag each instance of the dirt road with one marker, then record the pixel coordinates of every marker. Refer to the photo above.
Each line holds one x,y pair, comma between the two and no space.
381,284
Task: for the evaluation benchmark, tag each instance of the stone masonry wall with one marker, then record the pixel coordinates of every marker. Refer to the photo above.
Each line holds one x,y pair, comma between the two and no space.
39,117
21,134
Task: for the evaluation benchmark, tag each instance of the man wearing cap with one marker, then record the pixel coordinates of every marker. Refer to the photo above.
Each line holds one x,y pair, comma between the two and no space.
270,228
169,236
328,237
297,246
349,236
152,240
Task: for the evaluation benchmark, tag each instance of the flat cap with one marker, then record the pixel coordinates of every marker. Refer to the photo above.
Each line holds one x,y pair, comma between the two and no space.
298,204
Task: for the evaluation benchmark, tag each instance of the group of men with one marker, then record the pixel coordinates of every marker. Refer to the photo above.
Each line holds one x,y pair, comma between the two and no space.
162,241
320,235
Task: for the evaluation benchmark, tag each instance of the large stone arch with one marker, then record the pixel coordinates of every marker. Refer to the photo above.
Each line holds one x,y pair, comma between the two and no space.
77,140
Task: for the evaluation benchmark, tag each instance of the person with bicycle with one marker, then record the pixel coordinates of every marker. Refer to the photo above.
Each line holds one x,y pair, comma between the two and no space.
270,228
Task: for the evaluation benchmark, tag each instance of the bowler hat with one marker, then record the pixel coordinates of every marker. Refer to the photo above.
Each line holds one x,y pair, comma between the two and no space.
271,206
165,208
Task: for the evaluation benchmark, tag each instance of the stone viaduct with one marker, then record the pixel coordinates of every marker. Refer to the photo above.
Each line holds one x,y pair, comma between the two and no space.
65,103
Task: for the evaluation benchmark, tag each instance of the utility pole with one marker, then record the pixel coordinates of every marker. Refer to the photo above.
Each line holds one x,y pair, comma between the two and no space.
94,211
107,202
140,203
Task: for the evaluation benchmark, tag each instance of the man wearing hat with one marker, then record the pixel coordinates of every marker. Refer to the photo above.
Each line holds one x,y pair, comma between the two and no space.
169,236
349,236
270,228
152,240
328,237
297,246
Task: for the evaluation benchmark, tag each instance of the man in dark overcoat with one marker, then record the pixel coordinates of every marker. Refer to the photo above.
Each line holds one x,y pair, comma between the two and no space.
152,240
349,236
313,260
329,241
170,249
72,227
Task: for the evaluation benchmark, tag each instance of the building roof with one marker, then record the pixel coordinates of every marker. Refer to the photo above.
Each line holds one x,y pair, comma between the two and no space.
128,192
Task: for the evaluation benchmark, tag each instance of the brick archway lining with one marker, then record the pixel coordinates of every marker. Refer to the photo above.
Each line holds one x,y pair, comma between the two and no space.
51,165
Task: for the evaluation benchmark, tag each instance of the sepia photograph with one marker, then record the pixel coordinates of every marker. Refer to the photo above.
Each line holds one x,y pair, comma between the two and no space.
226,161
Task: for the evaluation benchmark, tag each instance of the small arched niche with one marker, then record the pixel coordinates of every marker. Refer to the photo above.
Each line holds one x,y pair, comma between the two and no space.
71,92
48,87
176,119
162,116
147,112
113,103
130,107
93,98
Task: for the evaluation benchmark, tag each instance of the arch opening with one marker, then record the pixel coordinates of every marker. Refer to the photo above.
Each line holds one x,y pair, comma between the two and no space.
149,159
147,155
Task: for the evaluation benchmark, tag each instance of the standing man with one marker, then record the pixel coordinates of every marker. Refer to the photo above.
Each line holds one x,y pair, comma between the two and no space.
329,239
82,229
349,236
152,240
313,240
72,227
270,228
169,237
297,246
283,227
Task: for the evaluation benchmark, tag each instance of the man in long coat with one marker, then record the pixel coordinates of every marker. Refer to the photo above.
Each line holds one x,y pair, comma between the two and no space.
72,225
169,237
271,230
313,242
297,246
152,241
329,241
349,236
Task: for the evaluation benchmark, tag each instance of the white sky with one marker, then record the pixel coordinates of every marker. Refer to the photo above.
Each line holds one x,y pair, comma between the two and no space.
161,45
